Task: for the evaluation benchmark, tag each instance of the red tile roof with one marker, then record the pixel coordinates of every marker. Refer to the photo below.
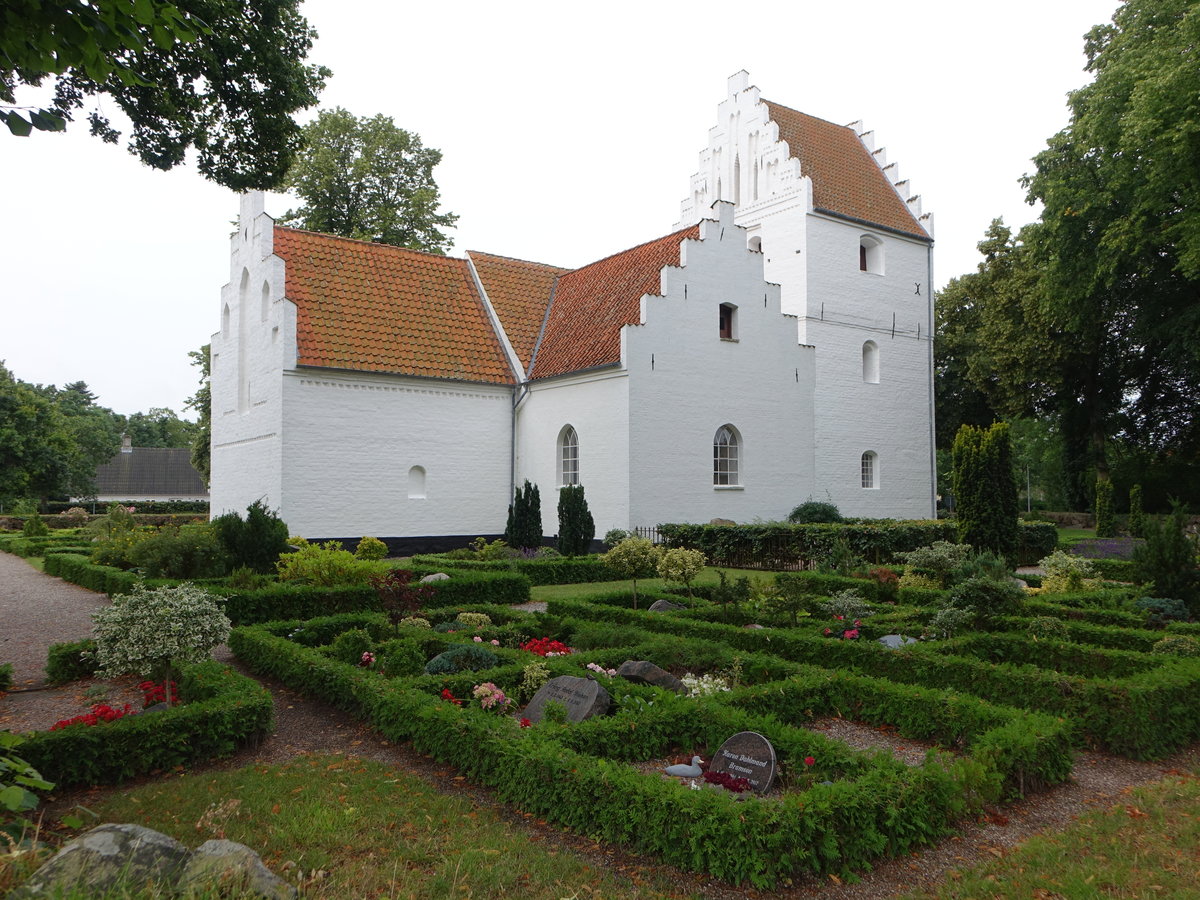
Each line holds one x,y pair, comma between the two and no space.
378,308
846,179
520,292
583,328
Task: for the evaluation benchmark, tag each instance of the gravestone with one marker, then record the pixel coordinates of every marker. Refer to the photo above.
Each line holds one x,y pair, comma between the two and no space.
582,697
645,672
896,640
747,755
664,606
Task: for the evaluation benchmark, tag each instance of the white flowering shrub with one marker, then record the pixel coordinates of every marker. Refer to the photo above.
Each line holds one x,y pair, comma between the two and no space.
704,685
152,632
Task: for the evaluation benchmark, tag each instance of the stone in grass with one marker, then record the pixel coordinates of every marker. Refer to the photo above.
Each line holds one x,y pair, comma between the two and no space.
747,755
436,576
582,697
106,856
233,866
645,672
665,606
896,640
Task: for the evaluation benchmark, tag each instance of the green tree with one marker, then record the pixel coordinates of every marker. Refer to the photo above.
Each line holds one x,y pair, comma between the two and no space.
219,77
984,490
1106,522
633,557
201,403
95,436
365,178
159,427
524,529
1168,559
576,527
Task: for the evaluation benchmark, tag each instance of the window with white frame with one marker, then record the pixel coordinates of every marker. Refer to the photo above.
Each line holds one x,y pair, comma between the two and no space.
726,457
870,362
568,457
870,254
870,469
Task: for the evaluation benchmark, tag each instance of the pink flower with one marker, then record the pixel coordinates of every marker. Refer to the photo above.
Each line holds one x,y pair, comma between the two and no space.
478,639
495,643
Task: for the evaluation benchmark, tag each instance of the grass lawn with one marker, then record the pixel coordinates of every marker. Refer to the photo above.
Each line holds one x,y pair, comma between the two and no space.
342,828
1143,846
1068,537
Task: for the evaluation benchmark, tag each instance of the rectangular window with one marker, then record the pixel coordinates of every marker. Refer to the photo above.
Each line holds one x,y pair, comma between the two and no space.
727,316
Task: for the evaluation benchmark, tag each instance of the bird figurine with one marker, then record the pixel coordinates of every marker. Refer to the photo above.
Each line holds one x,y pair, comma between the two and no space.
683,770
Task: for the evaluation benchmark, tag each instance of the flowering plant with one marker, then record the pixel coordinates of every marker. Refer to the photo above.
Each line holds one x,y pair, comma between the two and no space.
732,783
490,696
546,647
368,659
525,723
101,712
446,695
704,685
600,670
158,692
846,634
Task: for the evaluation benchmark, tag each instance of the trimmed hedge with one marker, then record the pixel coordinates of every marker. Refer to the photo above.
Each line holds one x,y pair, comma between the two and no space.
221,711
19,545
783,546
877,807
1144,716
67,662
82,571
555,570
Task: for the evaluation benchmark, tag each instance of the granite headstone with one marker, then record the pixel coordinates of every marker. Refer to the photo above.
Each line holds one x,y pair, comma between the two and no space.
582,697
747,755
646,672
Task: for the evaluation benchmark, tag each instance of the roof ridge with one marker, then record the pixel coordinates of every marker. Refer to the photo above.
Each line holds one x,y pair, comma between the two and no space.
532,262
339,237
662,237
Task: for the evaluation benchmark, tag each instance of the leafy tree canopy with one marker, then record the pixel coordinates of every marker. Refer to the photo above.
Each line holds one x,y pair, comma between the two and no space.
222,77
201,403
368,179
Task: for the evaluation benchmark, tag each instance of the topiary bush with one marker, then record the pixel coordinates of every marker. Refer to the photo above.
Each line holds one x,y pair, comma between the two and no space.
1137,517
349,646
986,598
524,528
1106,520
985,491
576,527
681,566
465,657
1177,645
327,565
154,632
370,548
814,511
473,620
633,558
1067,574
71,661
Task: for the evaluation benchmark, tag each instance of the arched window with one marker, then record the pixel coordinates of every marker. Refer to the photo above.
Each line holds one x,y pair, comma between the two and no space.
416,483
726,456
568,457
755,243
265,306
243,350
870,469
225,320
870,255
870,362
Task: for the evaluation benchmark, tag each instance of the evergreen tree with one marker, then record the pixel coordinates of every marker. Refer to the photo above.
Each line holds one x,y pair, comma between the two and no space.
576,527
1137,518
1106,524
524,529
1168,559
985,491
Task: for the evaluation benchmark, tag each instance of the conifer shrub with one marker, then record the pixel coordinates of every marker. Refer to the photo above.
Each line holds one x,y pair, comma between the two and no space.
814,511
1168,559
256,541
371,548
1106,521
524,528
34,527
1162,610
1137,517
985,491
576,528
1177,645
1048,628
465,657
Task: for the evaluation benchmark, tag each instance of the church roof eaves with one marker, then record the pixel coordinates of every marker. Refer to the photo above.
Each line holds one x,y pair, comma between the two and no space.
847,181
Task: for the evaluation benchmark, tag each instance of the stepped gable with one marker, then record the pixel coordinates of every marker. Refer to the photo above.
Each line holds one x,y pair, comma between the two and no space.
519,291
377,308
846,179
591,304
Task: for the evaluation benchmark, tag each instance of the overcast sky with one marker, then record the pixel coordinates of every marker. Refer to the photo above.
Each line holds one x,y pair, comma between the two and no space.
569,132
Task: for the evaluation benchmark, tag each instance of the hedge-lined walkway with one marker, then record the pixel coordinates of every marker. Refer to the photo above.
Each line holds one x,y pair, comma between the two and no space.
36,611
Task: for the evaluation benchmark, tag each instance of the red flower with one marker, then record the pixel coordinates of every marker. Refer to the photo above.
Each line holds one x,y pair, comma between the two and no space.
525,723
809,761
828,631
446,695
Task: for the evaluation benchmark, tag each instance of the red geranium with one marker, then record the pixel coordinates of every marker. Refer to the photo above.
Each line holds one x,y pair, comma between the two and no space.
546,647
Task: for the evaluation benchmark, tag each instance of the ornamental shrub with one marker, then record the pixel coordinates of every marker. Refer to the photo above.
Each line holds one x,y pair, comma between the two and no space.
71,661
465,657
474,620
1066,574
257,541
370,548
349,646
849,604
633,558
186,551
1137,518
1106,522
1162,610
576,528
937,562
678,564
1168,559
614,536
1177,645
1048,628
814,511
76,516
34,527
6,677
986,598
154,632
533,676
327,565
948,622
985,491
524,528
400,659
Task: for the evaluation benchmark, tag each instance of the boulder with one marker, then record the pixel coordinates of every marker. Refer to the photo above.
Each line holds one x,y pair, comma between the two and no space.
106,856
648,673
436,576
664,606
230,864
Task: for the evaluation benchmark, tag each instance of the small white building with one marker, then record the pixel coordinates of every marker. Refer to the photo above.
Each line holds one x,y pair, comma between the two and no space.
774,348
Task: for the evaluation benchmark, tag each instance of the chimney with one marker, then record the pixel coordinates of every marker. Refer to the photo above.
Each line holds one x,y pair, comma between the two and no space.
126,444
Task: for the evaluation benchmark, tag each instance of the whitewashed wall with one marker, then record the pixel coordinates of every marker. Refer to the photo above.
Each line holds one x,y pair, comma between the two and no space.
597,407
685,382
351,441
256,341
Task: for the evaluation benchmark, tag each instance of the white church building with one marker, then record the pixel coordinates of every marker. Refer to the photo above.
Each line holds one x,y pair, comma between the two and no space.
775,347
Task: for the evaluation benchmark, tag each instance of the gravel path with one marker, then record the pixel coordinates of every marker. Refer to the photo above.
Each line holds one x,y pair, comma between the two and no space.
36,611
